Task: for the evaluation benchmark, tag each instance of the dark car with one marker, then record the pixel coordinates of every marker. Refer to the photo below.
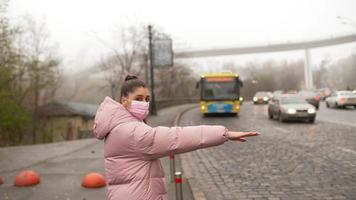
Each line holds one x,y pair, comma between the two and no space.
311,97
261,97
291,107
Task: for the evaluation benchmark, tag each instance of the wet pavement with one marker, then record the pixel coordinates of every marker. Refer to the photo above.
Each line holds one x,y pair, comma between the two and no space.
294,160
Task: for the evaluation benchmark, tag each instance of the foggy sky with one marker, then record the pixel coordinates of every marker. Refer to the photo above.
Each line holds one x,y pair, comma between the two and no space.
193,24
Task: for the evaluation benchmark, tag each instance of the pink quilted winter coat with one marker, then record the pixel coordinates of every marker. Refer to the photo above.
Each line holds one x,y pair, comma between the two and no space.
132,150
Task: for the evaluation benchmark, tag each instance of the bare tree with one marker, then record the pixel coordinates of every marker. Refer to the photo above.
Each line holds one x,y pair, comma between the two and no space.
13,116
176,82
342,73
272,75
38,72
320,74
127,55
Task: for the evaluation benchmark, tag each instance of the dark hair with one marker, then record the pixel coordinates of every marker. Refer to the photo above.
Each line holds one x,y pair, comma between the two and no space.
130,84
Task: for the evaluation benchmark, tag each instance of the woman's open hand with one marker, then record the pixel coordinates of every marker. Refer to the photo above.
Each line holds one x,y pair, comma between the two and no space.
240,136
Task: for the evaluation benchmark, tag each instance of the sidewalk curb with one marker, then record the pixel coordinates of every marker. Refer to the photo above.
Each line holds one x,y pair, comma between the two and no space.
197,193
51,158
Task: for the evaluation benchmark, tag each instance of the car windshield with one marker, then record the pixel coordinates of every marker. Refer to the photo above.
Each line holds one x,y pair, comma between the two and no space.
261,94
220,90
292,100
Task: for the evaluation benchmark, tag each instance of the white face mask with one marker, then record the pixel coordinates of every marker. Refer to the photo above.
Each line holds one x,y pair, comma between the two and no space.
139,109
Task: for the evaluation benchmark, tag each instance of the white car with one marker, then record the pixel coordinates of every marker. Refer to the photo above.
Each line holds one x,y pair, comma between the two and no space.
341,99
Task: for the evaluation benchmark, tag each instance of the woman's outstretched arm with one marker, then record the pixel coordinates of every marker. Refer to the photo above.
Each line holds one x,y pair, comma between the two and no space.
158,142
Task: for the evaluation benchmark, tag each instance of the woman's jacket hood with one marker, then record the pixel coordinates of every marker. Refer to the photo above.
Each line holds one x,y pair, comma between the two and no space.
110,114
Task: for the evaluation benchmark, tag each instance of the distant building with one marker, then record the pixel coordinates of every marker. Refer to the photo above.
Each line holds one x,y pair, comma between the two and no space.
66,121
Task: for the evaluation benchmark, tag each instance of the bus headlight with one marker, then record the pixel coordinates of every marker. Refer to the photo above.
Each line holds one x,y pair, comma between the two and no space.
291,111
241,98
202,107
255,99
311,110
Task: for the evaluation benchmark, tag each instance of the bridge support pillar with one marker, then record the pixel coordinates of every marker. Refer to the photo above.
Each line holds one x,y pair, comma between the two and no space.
308,74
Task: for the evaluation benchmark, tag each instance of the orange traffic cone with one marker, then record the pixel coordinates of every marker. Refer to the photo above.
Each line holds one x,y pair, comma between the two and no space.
93,180
27,178
1,180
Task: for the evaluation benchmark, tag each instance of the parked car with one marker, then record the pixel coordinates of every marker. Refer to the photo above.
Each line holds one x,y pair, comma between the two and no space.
261,98
341,99
291,107
311,97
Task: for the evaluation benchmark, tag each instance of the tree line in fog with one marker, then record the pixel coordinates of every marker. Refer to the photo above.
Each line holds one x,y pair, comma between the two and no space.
289,75
29,76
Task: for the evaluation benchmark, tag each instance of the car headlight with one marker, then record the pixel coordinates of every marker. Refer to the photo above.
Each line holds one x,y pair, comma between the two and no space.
241,98
255,99
311,110
291,111
265,98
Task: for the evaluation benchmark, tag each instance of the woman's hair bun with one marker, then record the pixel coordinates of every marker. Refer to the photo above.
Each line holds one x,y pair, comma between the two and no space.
130,77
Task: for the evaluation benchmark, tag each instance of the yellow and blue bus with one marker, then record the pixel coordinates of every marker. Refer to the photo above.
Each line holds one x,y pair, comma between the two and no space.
220,93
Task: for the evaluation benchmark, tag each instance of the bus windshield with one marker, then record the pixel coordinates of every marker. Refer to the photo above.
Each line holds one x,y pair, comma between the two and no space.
220,91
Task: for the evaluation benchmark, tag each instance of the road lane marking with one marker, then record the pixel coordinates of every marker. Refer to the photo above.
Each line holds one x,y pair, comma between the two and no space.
347,150
281,130
342,123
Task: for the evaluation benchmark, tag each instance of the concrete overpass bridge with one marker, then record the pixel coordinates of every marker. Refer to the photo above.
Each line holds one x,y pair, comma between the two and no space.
278,47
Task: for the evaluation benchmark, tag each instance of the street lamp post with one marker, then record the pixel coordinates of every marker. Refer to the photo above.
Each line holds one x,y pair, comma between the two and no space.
153,109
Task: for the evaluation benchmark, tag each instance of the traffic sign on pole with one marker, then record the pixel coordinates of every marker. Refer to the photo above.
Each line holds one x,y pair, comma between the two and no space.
162,52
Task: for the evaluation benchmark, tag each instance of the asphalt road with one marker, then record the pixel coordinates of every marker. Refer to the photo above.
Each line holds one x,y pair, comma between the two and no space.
61,173
294,160
340,116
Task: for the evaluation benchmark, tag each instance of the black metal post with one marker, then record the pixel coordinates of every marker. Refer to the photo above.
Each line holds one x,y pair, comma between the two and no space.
153,110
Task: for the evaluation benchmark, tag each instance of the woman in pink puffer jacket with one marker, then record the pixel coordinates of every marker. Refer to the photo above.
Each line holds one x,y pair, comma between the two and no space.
132,148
